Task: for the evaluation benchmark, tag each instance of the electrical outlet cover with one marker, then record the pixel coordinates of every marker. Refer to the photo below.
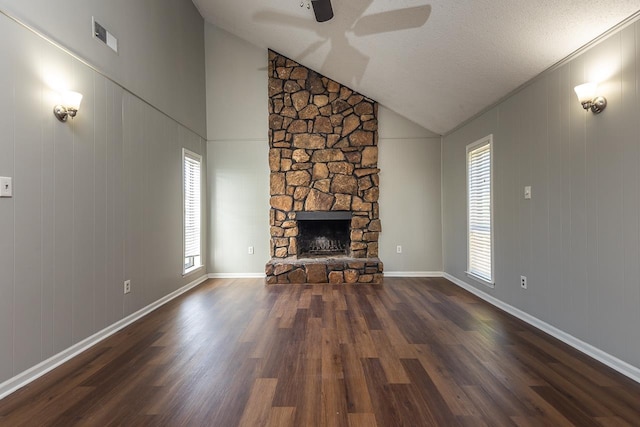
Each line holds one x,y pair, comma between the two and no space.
6,187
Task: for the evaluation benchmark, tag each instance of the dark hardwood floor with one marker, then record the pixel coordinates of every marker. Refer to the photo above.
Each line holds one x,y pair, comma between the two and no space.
411,352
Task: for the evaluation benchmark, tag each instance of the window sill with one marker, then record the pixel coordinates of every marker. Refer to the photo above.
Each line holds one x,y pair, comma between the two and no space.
192,270
479,279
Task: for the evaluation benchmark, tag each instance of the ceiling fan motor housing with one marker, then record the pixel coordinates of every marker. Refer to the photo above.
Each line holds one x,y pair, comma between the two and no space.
322,10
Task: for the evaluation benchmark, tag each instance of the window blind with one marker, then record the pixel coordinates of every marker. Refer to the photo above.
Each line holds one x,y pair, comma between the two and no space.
479,211
192,209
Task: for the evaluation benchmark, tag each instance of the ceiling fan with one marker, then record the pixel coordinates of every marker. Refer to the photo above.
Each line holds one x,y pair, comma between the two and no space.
350,19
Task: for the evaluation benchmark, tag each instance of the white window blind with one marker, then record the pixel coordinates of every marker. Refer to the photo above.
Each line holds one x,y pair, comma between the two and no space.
192,209
479,213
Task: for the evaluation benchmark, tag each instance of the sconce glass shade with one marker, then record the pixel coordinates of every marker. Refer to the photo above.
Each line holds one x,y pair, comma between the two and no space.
72,100
69,107
587,96
586,92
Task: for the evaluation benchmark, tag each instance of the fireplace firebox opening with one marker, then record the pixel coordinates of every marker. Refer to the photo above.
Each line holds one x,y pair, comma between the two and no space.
323,234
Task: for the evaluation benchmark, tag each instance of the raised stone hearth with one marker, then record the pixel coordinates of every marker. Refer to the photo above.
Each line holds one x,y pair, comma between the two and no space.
323,156
324,270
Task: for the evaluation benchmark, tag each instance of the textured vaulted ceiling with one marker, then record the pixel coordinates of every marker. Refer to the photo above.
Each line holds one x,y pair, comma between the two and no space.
463,58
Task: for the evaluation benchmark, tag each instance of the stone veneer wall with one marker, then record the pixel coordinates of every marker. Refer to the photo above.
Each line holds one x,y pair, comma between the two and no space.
323,156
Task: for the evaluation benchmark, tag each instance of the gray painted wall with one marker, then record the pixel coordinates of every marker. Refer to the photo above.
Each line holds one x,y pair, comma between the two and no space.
237,118
238,151
161,45
238,185
237,103
410,183
578,239
96,201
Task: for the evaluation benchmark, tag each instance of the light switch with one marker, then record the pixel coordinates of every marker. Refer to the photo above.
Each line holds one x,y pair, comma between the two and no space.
6,188
527,192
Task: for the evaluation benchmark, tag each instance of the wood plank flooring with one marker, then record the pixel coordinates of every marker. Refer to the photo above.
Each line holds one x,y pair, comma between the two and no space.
411,352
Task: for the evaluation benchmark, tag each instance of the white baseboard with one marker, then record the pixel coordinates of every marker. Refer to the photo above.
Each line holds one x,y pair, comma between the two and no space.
31,374
413,274
613,362
386,274
237,276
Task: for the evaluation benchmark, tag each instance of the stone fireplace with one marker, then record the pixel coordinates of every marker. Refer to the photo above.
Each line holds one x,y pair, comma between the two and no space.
324,179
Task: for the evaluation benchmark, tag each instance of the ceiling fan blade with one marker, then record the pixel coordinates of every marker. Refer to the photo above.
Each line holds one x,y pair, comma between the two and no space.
352,70
271,17
310,49
394,20
350,11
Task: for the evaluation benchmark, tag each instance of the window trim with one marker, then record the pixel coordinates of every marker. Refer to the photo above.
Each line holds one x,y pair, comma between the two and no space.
487,140
195,266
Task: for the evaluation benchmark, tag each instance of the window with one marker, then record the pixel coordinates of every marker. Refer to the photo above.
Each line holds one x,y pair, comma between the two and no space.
191,164
480,211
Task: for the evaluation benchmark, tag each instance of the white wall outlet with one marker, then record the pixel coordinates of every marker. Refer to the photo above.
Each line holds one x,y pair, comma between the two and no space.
398,249
127,286
6,186
527,192
523,282
250,251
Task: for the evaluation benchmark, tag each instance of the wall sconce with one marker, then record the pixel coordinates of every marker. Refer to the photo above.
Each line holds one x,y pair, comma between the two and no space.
69,107
587,96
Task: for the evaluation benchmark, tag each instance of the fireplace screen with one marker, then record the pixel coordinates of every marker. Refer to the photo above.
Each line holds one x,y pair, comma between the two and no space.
323,233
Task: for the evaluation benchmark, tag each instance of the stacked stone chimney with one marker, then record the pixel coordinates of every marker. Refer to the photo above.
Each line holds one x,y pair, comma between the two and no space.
323,156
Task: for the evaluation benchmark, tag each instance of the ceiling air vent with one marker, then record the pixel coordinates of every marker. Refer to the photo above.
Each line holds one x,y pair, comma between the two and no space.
101,33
